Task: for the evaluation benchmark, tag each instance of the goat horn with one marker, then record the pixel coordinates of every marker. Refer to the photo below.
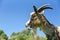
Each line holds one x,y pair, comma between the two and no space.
35,9
46,6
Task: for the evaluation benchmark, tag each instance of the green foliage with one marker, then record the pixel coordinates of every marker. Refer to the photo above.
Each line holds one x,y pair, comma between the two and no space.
42,38
3,36
30,37
1,31
20,35
23,35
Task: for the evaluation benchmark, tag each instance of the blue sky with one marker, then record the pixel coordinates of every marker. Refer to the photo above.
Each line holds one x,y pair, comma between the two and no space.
15,13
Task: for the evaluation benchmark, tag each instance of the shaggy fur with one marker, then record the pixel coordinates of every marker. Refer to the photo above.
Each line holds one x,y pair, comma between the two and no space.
52,32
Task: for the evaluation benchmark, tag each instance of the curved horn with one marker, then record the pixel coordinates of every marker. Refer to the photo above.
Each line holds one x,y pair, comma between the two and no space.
46,6
35,9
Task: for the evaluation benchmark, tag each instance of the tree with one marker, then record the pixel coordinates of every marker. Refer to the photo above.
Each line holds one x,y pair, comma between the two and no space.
3,36
24,35
1,31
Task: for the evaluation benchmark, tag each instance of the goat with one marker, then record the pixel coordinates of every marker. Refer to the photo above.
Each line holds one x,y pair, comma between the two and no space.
38,20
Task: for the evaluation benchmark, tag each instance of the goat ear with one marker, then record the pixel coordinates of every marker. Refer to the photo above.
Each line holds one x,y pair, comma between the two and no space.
46,6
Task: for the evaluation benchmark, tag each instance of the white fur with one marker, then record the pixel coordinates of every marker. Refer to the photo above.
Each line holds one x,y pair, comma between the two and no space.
27,22
29,19
58,29
42,12
29,28
32,13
